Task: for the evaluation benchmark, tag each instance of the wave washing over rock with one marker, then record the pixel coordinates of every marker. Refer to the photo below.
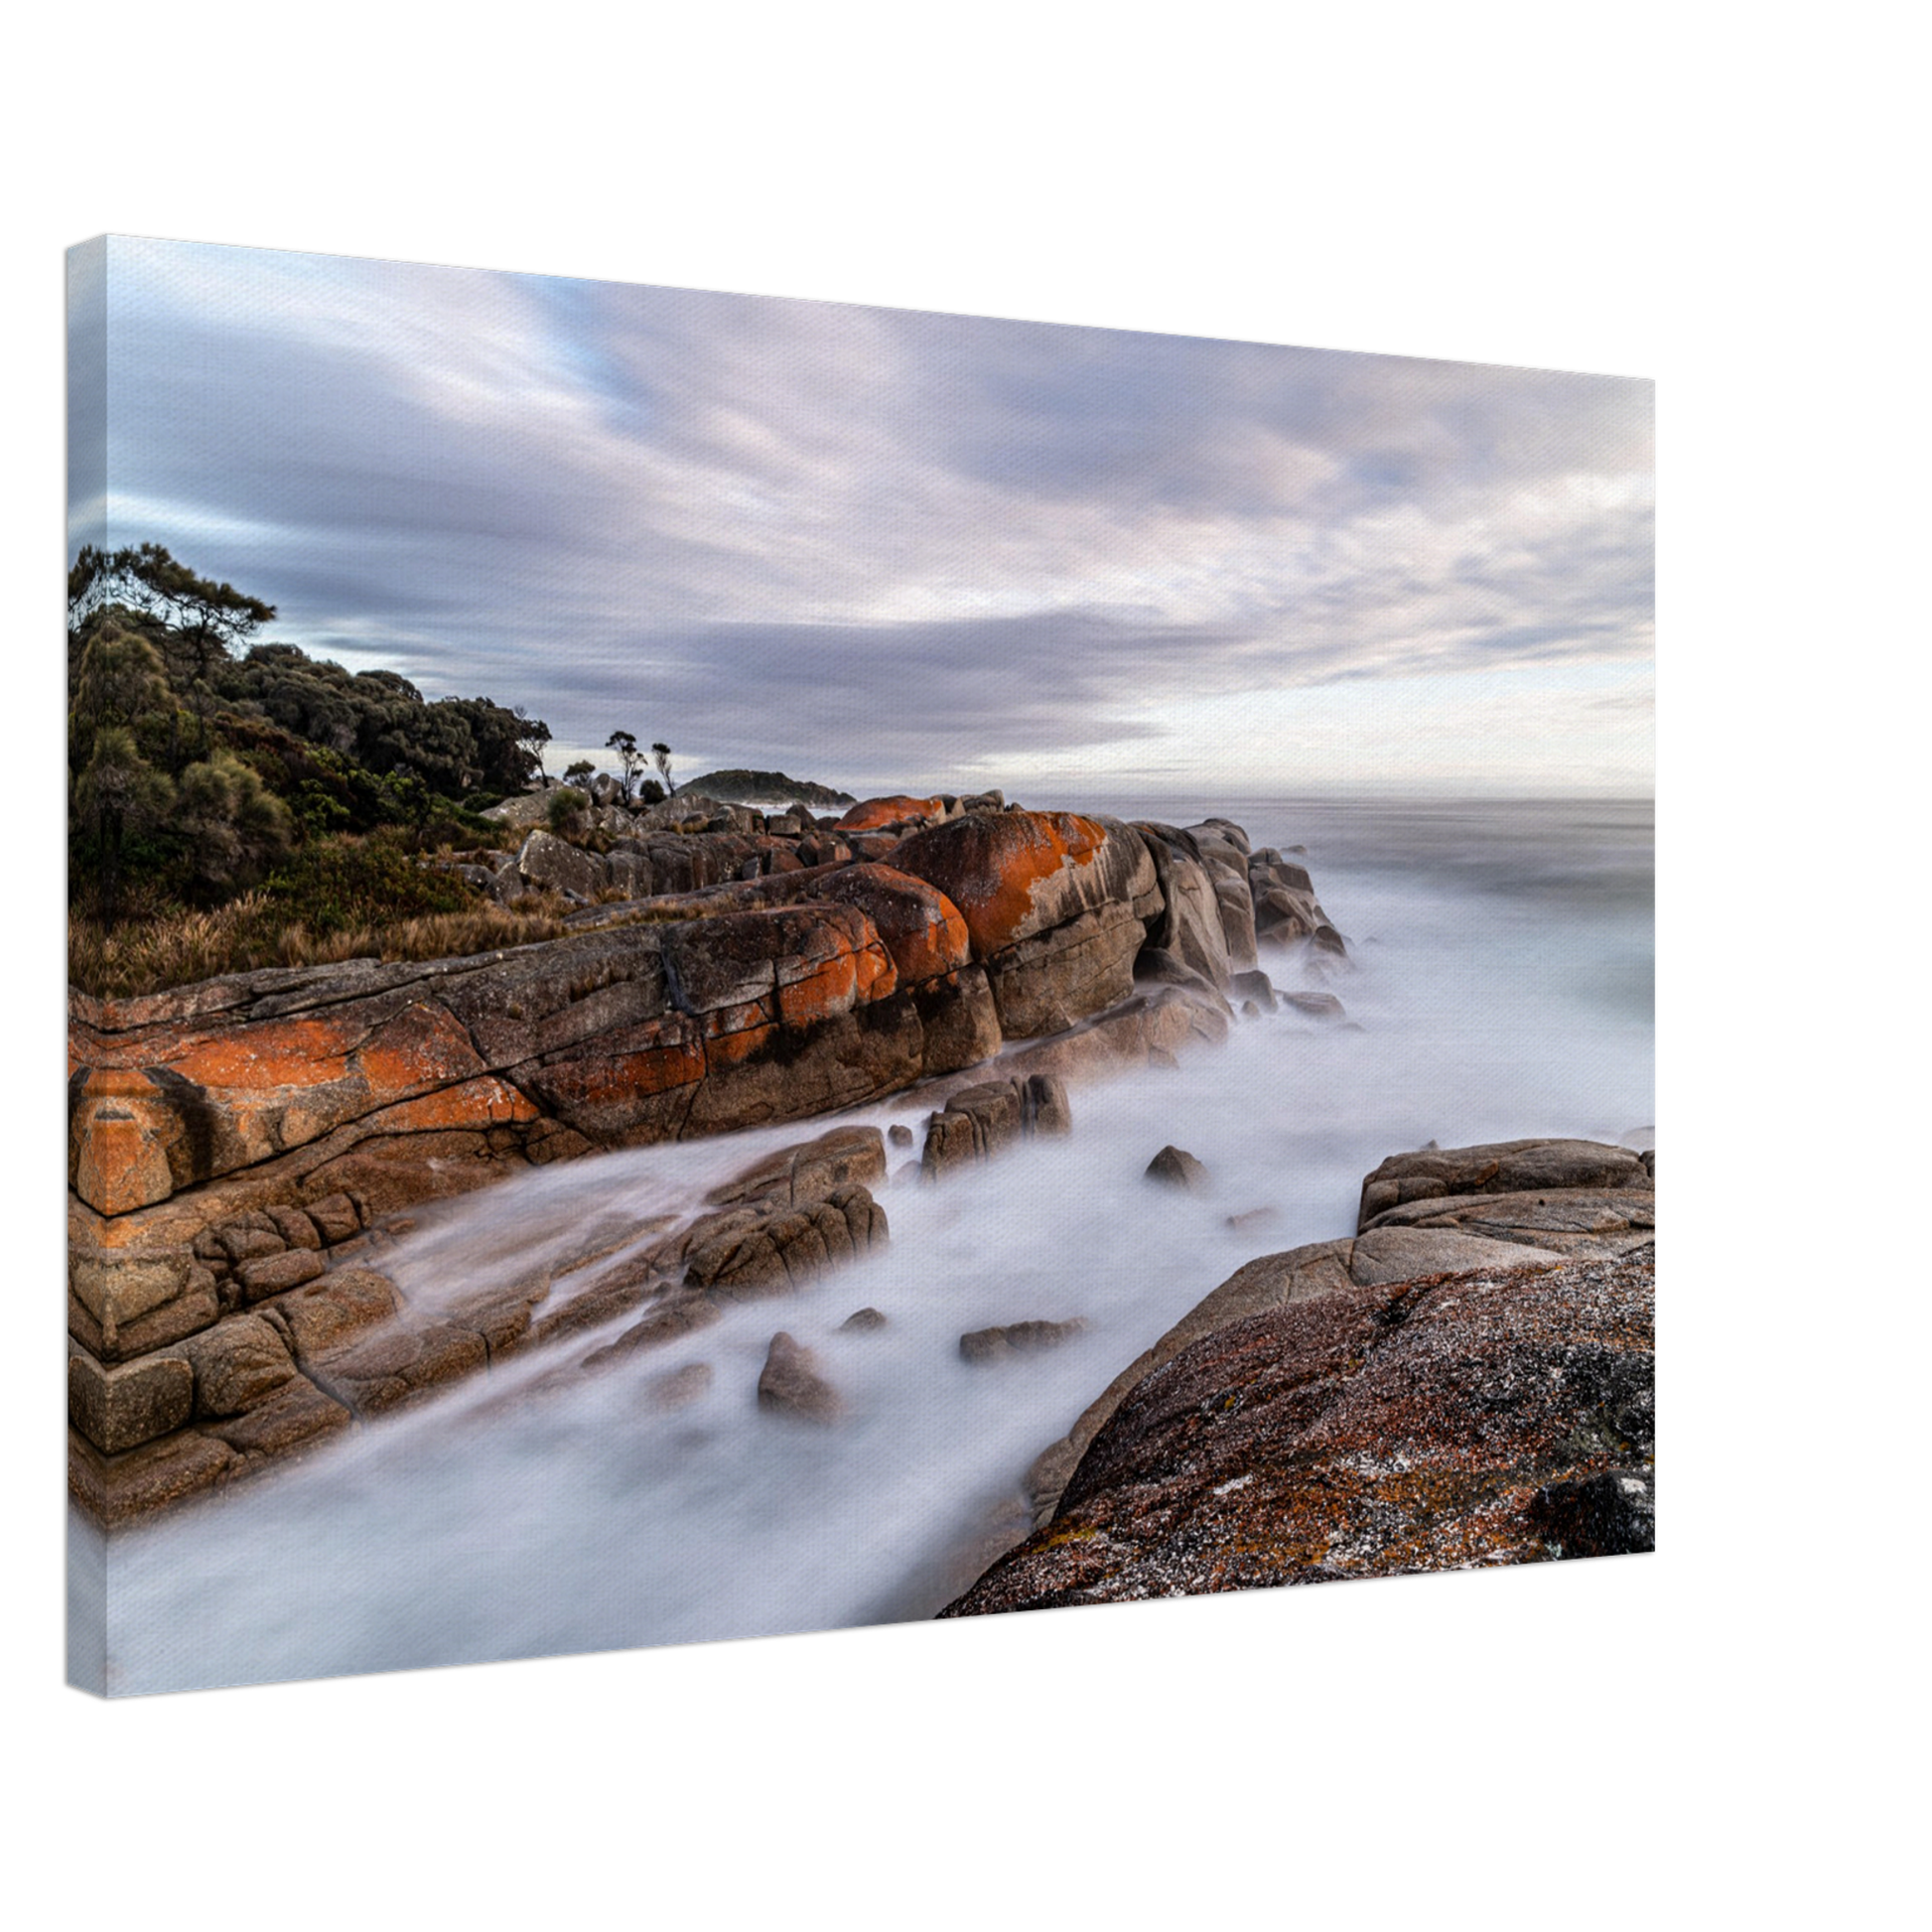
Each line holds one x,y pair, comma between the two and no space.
235,1147
632,1443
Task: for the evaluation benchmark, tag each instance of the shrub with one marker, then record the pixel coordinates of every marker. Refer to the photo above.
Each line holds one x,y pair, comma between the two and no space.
335,884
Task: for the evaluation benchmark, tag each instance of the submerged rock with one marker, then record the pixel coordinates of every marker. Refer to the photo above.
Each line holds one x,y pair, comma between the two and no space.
678,1388
790,1384
1174,1167
1016,1339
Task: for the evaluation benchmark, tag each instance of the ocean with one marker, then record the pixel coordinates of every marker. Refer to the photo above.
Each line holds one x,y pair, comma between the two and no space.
1498,986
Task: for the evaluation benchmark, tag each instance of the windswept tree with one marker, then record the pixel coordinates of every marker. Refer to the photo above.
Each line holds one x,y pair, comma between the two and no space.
661,755
534,735
201,623
145,578
577,770
630,760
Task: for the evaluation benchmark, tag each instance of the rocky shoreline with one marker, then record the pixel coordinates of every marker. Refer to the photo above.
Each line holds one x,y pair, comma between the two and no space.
242,1151
1417,1397
1464,1380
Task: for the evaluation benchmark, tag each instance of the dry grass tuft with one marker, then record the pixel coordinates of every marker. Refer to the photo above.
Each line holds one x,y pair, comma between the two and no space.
179,949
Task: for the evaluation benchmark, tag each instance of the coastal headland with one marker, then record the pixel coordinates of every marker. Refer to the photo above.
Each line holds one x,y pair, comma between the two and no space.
243,1150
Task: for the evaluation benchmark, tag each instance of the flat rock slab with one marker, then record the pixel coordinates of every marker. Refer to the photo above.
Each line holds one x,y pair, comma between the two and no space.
1574,1220
796,1175
683,1315
296,1416
1499,1167
1504,1416
400,1365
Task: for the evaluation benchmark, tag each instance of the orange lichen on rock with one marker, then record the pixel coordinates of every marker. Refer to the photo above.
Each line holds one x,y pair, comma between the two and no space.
993,867
736,1035
871,813
423,1046
917,923
120,1142
486,1102
309,1051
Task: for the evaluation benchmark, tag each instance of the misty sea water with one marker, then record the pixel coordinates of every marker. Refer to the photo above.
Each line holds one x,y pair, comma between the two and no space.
1499,985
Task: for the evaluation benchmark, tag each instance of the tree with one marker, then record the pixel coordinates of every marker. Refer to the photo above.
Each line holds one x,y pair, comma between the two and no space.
533,736
202,623
580,769
661,755
630,760
145,578
118,794
231,826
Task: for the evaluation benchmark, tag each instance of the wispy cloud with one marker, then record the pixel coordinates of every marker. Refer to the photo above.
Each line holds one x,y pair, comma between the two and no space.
879,543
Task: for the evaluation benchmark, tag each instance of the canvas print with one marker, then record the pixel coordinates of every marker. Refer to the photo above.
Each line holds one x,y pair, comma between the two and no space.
740,966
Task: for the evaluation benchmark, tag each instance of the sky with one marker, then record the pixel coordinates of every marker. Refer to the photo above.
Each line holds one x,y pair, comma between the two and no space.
884,549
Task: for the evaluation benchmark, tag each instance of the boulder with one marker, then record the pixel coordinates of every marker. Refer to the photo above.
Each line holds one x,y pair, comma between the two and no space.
789,964
527,808
782,1248
862,1322
1016,1339
1256,985
1285,904
873,813
796,1175
548,864
1495,1417
919,927
1174,1167
1318,1006
1189,924
1277,1281
1054,907
237,1364
1499,1167
790,1384
979,1122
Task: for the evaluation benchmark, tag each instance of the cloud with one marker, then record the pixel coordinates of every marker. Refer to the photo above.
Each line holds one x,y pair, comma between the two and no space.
876,542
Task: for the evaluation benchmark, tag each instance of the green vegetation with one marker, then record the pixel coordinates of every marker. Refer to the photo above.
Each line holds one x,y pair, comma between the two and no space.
236,803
